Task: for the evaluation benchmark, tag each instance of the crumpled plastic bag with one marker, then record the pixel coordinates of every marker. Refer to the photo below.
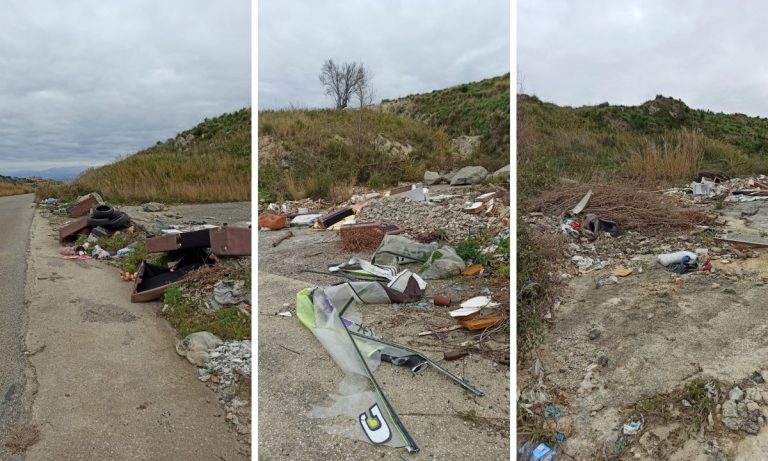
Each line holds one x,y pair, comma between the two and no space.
196,347
100,253
443,263
228,292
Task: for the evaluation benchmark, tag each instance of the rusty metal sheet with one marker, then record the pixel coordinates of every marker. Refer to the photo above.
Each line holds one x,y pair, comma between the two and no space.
163,243
231,241
83,208
72,228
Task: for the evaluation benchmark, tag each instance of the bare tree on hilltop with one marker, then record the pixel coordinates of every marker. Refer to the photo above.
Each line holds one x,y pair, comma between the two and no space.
346,81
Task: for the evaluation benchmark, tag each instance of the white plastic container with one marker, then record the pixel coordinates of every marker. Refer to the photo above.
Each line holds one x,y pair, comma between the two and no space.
677,257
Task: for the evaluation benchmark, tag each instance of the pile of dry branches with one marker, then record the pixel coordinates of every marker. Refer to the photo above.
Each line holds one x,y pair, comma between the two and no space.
625,204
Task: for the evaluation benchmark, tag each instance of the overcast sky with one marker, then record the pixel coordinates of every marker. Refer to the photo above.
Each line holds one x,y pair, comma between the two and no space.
82,82
711,54
411,46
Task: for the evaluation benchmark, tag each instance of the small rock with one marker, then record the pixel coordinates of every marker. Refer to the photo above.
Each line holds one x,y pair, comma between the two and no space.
152,207
757,377
715,286
686,403
594,334
603,361
736,394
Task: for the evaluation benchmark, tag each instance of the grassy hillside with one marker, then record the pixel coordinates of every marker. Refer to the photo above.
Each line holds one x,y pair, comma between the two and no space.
323,153
662,140
209,163
478,108
15,186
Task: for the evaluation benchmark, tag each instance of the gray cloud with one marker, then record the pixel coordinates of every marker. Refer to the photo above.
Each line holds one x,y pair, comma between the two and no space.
84,82
709,54
411,46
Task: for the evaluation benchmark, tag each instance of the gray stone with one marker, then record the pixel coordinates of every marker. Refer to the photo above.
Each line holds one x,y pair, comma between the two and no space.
431,177
729,409
469,175
502,172
464,146
152,207
736,394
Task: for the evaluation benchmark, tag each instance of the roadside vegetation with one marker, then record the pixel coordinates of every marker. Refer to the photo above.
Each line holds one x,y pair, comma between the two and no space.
324,153
209,163
477,108
10,188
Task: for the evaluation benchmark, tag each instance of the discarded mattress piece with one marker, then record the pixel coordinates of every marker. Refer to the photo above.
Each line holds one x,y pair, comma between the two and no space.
84,206
223,241
370,415
72,229
152,280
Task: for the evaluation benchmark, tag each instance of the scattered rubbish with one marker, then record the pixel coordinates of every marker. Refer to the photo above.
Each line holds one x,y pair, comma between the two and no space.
285,236
473,270
415,192
622,272
455,355
552,412
606,281
195,347
480,323
152,280
109,218
73,228
84,205
325,222
152,207
677,257
285,314
632,427
477,301
365,236
227,292
442,300
582,203
540,452
756,243
597,225
376,420
465,311
100,253
305,219
272,221
224,241
486,292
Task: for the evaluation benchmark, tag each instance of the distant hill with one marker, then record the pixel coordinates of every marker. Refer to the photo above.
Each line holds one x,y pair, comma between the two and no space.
208,163
65,173
661,139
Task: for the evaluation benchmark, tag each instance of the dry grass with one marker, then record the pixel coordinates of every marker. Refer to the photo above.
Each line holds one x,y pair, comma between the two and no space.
623,203
7,189
22,438
214,167
677,157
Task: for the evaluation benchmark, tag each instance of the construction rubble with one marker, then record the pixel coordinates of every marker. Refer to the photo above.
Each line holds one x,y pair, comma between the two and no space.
405,250
646,279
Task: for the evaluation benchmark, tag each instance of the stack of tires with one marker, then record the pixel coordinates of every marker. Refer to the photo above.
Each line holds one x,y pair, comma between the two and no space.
107,217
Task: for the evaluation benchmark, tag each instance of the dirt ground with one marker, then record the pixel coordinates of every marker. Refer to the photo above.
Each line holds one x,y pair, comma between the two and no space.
295,371
650,334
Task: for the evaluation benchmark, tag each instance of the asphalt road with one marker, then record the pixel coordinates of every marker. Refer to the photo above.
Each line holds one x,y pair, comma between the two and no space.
15,218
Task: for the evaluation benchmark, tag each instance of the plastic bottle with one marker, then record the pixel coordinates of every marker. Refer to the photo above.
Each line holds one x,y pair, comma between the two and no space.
677,257
540,452
608,281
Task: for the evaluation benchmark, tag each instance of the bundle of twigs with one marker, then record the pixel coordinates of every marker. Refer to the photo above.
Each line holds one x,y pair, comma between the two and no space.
624,204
